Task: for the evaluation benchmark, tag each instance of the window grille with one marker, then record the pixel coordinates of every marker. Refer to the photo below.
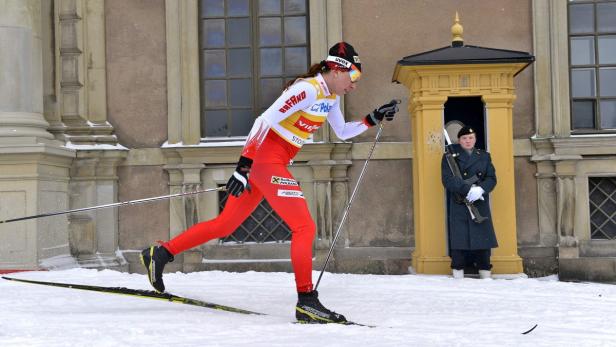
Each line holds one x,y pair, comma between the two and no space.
263,225
602,197
592,59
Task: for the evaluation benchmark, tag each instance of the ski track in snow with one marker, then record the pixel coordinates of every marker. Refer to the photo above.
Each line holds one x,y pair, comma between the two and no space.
409,310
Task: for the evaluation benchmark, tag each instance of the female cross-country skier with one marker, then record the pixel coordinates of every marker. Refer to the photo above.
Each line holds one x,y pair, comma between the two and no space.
275,138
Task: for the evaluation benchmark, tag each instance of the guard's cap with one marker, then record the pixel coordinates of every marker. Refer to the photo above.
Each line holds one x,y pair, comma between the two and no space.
465,131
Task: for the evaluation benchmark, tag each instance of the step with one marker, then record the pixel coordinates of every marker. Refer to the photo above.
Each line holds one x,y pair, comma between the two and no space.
597,248
592,269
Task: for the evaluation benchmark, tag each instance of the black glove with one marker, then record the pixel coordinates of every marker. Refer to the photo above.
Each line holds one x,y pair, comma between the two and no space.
386,111
239,180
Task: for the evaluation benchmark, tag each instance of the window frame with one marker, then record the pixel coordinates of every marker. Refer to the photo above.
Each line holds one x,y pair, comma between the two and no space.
596,66
183,89
255,107
596,231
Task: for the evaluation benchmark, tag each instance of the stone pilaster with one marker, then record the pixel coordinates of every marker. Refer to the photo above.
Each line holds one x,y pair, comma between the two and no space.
34,167
184,211
322,184
21,85
81,73
565,208
94,234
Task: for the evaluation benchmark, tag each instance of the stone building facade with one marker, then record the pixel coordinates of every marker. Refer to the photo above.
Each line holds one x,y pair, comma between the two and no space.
110,100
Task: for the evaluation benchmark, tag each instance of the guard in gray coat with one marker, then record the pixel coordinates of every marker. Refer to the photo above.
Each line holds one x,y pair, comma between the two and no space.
468,239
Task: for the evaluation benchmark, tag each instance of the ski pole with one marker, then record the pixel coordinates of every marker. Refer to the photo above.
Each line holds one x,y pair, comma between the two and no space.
348,206
123,203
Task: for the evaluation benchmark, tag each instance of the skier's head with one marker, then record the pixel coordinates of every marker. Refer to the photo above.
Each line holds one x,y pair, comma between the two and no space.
342,68
342,56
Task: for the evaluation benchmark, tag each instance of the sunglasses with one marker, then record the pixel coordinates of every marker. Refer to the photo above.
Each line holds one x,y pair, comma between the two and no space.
354,73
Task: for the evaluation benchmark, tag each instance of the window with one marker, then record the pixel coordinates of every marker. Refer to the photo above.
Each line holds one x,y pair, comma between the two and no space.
248,50
602,199
592,59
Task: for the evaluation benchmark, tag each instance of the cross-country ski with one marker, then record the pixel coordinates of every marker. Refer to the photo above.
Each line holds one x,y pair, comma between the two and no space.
139,293
151,294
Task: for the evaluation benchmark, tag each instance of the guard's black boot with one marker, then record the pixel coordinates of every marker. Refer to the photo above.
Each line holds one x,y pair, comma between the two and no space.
310,310
154,259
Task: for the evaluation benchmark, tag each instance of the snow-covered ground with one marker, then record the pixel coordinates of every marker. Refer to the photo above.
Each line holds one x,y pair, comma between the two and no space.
409,310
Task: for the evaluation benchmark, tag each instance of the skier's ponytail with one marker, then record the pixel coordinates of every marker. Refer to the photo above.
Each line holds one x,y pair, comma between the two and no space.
312,71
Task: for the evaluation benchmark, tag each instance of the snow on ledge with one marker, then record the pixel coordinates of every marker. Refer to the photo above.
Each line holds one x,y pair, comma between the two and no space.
59,262
205,144
214,143
97,146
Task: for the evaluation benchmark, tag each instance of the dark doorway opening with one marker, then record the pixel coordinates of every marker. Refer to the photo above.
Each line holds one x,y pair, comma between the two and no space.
469,111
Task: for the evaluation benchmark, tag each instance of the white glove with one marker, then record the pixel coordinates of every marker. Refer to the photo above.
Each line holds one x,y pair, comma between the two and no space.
475,193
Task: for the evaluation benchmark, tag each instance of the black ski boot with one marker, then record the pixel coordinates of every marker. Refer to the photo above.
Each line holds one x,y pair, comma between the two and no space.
310,310
154,259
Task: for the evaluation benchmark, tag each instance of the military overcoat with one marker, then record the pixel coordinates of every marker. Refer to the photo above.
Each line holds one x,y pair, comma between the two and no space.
464,234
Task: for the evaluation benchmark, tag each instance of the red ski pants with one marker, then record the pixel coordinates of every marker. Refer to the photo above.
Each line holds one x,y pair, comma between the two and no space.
275,183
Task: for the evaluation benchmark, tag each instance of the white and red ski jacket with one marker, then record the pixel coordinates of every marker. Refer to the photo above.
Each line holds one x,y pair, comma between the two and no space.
300,111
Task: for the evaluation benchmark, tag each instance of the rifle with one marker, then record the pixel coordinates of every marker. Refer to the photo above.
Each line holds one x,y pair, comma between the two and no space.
450,156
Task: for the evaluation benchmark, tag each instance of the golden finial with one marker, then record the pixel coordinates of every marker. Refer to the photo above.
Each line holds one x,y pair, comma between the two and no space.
456,31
